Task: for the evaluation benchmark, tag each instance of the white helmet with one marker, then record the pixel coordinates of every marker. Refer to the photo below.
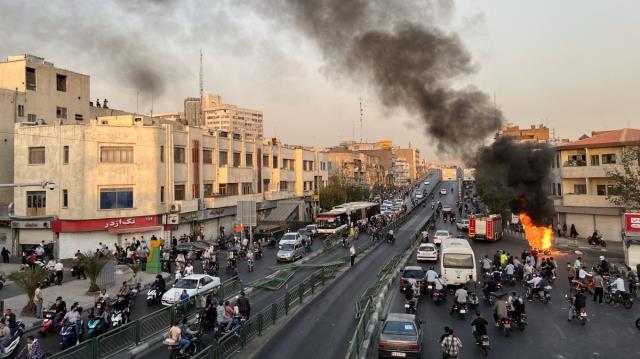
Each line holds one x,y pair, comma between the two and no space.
601,258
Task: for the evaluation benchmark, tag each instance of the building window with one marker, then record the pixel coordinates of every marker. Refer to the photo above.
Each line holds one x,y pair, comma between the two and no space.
65,198
116,198
223,158
178,192
31,78
178,154
162,154
79,117
265,161
601,190
559,189
65,155
613,190
116,154
595,160
609,159
61,83
36,203
247,188
31,117
208,189
283,185
61,113
36,155
265,184
222,189
579,189
236,159
275,161
553,188
248,160
161,194
207,156
20,110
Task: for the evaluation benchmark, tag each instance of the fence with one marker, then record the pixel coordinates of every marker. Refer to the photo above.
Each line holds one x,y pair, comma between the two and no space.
132,334
239,337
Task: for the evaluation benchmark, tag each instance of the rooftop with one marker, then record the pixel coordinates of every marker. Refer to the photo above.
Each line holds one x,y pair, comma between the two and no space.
625,136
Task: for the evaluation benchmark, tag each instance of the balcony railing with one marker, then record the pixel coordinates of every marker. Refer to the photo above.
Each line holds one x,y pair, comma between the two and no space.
574,163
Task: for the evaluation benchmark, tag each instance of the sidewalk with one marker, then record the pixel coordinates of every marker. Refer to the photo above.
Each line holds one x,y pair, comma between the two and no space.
74,291
613,249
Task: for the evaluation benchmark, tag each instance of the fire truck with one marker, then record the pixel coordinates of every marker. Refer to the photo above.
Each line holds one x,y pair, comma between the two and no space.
487,228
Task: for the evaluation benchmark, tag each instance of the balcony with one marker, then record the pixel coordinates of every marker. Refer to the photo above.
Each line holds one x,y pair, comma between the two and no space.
219,201
588,171
228,174
275,195
585,200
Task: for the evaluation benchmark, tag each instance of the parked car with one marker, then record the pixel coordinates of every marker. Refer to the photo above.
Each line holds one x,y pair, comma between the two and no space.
441,235
443,191
196,248
312,229
400,337
427,252
463,224
426,183
417,271
195,284
419,195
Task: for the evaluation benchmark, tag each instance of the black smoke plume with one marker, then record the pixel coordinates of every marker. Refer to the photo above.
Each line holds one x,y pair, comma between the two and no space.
516,175
411,64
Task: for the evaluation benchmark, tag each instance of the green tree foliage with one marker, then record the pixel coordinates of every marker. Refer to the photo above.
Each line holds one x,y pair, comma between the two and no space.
28,280
339,191
626,179
493,190
93,262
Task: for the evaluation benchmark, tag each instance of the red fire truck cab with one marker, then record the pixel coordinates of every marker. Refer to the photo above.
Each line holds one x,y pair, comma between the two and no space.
487,228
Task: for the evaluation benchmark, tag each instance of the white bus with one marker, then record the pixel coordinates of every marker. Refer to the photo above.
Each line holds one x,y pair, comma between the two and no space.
332,222
457,261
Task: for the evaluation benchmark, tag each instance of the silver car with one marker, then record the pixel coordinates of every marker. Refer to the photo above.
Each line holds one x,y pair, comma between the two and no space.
400,337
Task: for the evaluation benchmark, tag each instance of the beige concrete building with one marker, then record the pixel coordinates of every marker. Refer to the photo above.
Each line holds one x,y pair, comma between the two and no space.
538,133
584,183
401,172
357,167
220,116
412,157
123,176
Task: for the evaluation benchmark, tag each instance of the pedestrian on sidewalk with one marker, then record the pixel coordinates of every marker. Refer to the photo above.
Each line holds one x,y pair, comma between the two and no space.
37,299
5,255
352,254
59,268
573,233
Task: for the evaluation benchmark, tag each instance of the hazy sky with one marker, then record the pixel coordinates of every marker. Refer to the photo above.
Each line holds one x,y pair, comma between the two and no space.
573,65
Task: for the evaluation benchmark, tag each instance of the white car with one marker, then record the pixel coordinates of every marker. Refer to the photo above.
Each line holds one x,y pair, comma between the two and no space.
427,252
463,225
426,183
195,284
419,195
443,191
441,235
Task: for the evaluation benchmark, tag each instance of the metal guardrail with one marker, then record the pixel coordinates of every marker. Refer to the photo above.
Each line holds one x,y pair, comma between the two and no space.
134,333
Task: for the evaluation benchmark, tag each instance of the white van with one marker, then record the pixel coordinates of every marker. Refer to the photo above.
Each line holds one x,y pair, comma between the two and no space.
290,248
457,261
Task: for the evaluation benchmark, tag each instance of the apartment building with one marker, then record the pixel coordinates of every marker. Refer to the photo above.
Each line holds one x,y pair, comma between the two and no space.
401,172
535,133
412,157
584,184
220,116
359,168
130,176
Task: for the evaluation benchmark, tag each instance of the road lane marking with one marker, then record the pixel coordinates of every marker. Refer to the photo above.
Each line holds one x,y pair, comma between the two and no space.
560,331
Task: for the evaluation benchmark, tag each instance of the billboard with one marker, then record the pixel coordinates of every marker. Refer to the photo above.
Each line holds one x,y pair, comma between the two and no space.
632,223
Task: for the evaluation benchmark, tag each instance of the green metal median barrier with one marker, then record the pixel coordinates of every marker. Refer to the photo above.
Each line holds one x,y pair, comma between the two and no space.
274,281
360,332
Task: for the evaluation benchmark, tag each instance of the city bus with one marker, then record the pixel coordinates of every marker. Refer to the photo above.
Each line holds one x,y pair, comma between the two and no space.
360,212
331,222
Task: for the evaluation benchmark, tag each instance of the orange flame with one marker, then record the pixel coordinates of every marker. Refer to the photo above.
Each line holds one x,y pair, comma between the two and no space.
538,237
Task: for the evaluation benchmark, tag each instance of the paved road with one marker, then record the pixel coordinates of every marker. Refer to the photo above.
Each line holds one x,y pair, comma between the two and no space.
610,333
260,299
333,312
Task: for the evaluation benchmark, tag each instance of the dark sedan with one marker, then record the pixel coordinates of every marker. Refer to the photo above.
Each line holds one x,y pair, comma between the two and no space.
400,337
195,248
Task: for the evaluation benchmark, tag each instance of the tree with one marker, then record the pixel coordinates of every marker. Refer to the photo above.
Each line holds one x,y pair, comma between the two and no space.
339,191
93,262
28,280
627,179
493,190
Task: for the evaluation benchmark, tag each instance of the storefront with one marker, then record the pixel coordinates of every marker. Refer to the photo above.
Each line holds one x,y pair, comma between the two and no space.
86,235
29,233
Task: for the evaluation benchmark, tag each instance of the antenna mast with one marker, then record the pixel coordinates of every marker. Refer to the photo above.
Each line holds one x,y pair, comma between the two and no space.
200,121
361,115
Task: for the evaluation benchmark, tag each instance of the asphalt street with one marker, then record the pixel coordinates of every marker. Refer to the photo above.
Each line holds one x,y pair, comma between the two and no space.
609,333
260,298
327,323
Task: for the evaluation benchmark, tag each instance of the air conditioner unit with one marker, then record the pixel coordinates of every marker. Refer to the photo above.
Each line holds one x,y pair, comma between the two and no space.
173,218
175,208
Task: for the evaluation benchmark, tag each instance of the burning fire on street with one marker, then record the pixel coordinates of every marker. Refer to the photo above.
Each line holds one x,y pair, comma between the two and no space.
539,237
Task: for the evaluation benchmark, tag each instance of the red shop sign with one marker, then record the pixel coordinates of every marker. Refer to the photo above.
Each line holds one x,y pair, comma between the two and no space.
632,222
105,224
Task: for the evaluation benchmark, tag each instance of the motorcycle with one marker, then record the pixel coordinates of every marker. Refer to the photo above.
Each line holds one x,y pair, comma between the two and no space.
596,241
11,345
411,305
520,321
483,343
390,239
153,296
438,296
461,308
257,252
542,294
250,265
118,319
505,326
472,300
95,326
48,324
618,297
582,316
68,336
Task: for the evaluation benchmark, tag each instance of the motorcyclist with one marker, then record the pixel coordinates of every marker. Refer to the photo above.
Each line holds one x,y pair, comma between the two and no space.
516,304
122,304
124,290
431,276
500,311
578,301
486,264
244,307
100,311
74,318
175,334
60,308
479,325
603,267
510,270
618,285
103,298
159,284
390,235
489,287
536,284
596,236
461,298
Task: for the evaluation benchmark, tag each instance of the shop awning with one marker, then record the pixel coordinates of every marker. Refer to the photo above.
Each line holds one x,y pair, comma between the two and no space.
132,230
282,213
